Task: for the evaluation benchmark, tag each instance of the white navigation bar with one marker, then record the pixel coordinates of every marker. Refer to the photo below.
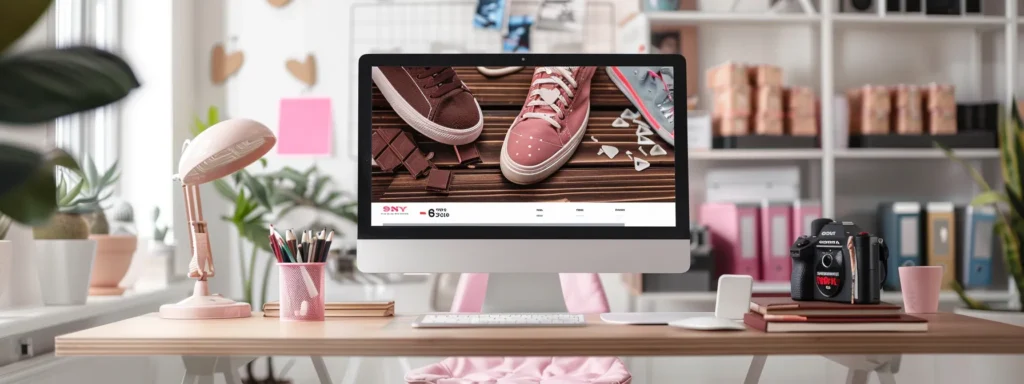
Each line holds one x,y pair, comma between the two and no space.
650,214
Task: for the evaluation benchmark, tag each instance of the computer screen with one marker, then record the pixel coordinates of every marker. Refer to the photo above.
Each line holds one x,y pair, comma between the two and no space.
530,146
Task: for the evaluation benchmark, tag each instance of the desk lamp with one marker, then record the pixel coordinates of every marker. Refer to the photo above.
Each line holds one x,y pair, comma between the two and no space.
222,149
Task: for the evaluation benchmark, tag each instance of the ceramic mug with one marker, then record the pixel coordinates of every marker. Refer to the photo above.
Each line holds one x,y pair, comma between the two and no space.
921,285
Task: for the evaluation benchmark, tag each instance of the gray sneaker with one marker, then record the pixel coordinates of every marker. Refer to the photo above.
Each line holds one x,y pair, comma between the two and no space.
650,90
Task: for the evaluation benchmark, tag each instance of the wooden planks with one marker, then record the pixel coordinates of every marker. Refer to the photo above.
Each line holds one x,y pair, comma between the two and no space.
149,335
509,92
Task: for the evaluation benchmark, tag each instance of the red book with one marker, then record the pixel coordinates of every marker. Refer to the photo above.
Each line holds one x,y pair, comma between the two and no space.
787,306
900,323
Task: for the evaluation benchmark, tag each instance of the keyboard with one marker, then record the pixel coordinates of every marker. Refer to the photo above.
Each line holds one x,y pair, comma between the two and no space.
494,320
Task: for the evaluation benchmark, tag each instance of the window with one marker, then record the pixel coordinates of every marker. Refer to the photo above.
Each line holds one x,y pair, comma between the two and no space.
88,22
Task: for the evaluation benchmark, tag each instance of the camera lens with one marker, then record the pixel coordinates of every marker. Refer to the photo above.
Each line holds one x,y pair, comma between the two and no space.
826,260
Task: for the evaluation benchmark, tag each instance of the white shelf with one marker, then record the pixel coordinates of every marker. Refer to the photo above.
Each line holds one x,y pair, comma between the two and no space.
914,153
898,20
20,321
754,154
892,297
677,18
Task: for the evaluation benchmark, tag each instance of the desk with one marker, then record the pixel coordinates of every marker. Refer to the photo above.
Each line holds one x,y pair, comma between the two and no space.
261,336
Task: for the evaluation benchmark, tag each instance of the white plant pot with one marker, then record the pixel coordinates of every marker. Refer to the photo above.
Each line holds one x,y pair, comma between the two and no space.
6,264
64,268
995,369
21,287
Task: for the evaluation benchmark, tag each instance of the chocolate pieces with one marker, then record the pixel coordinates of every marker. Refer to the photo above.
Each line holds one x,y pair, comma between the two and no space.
417,164
403,145
393,147
439,180
467,154
387,161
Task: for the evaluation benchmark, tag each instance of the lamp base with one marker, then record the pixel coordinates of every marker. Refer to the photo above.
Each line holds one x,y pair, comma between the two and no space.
203,305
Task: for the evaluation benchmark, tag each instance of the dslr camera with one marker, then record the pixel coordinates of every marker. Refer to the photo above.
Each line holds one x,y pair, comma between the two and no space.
838,262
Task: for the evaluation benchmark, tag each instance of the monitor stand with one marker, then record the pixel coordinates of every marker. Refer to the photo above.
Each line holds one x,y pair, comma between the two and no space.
524,292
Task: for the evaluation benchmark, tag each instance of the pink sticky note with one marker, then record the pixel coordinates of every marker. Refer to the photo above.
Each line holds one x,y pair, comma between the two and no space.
304,127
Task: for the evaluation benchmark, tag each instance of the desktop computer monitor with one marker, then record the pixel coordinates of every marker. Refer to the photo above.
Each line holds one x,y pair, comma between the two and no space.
522,163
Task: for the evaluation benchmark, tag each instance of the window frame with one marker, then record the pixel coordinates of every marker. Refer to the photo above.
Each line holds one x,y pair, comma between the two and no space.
92,134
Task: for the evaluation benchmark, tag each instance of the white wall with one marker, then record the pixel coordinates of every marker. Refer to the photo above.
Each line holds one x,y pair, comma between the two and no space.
36,136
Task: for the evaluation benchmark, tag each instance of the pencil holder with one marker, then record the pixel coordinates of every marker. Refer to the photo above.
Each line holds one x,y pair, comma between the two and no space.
301,292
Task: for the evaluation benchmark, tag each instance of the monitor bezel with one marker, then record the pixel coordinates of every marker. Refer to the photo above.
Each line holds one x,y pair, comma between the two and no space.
367,231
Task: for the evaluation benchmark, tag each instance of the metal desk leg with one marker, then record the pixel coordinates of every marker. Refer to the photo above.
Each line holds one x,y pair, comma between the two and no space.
352,370
755,369
856,376
231,377
201,369
321,369
188,378
860,366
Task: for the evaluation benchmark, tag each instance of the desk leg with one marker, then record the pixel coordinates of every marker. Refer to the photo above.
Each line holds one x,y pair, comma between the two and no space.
202,368
321,369
352,370
188,378
755,369
856,376
861,366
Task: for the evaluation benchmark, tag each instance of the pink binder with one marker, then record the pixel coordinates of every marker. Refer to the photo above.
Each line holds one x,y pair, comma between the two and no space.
734,237
804,212
776,225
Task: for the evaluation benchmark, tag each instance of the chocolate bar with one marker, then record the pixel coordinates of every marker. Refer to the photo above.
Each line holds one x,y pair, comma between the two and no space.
388,161
403,145
377,143
416,163
388,134
467,154
439,180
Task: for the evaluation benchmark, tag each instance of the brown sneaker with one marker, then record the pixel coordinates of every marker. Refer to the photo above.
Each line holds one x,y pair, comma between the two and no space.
432,100
550,126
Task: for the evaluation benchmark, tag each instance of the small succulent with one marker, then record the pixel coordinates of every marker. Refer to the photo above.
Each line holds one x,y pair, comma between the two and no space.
159,231
68,223
97,189
122,217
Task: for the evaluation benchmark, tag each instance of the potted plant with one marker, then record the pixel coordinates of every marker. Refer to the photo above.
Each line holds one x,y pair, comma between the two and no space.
6,257
1009,204
64,252
113,251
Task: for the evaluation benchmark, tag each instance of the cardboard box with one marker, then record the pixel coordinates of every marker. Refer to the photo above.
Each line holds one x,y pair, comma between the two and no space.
908,105
732,101
940,96
765,75
799,101
728,75
802,125
768,100
870,109
942,121
768,124
731,125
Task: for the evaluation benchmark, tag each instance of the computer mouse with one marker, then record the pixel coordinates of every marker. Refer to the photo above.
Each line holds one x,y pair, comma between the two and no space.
708,323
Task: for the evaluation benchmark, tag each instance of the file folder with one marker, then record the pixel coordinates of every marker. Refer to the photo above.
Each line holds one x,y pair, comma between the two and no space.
976,241
941,240
900,224
734,237
804,212
776,239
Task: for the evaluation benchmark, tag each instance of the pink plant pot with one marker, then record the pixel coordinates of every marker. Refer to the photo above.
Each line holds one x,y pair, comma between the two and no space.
921,285
113,257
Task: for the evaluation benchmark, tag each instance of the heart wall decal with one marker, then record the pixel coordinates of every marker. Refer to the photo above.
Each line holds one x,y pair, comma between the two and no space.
223,65
279,3
305,71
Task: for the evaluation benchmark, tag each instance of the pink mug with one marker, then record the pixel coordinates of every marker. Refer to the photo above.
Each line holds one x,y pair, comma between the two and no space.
921,285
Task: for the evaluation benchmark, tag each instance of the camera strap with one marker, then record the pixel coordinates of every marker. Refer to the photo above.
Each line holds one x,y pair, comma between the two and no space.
853,268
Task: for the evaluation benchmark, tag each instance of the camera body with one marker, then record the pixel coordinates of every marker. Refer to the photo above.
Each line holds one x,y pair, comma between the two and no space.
838,262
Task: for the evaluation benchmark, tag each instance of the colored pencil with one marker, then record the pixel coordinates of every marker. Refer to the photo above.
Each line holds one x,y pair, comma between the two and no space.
275,248
290,237
327,246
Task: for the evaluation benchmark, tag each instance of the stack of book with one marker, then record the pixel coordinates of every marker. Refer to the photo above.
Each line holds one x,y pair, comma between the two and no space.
352,309
782,314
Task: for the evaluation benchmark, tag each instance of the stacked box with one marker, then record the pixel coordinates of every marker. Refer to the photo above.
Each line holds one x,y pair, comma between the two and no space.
801,112
941,115
870,108
907,106
729,83
767,119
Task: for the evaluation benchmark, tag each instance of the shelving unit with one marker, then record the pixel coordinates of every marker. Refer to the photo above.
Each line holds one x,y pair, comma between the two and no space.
975,66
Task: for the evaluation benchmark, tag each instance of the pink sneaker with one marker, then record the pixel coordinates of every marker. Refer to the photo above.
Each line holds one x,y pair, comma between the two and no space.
550,126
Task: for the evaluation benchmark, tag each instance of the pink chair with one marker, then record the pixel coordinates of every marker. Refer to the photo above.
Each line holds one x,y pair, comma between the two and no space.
583,293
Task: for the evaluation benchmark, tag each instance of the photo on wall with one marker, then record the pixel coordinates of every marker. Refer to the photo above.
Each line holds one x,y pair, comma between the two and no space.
529,135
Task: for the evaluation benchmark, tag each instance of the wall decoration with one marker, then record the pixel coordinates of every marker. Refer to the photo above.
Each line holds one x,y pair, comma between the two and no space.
279,3
518,38
304,126
490,14
561,15
305,71
223,65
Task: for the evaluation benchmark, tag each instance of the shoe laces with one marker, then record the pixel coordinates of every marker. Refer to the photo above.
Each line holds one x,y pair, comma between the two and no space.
438,80
666,81
548,100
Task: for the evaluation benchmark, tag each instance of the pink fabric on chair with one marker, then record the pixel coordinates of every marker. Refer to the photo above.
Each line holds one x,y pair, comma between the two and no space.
583,293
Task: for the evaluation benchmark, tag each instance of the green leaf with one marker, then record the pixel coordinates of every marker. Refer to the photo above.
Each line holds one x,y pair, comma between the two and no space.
224,189
971,303
42,85
70,195
1015,202
32,202
330,198
286,210
197,127
91,174
18,17
263,162
259,192
978,178
318,186
17,165
111,175
212,116
989,197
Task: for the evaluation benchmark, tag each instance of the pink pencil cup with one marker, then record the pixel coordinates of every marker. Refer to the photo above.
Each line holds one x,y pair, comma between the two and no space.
301,291
921,285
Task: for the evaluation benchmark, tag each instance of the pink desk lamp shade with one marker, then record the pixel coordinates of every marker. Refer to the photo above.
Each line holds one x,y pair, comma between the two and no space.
220,150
